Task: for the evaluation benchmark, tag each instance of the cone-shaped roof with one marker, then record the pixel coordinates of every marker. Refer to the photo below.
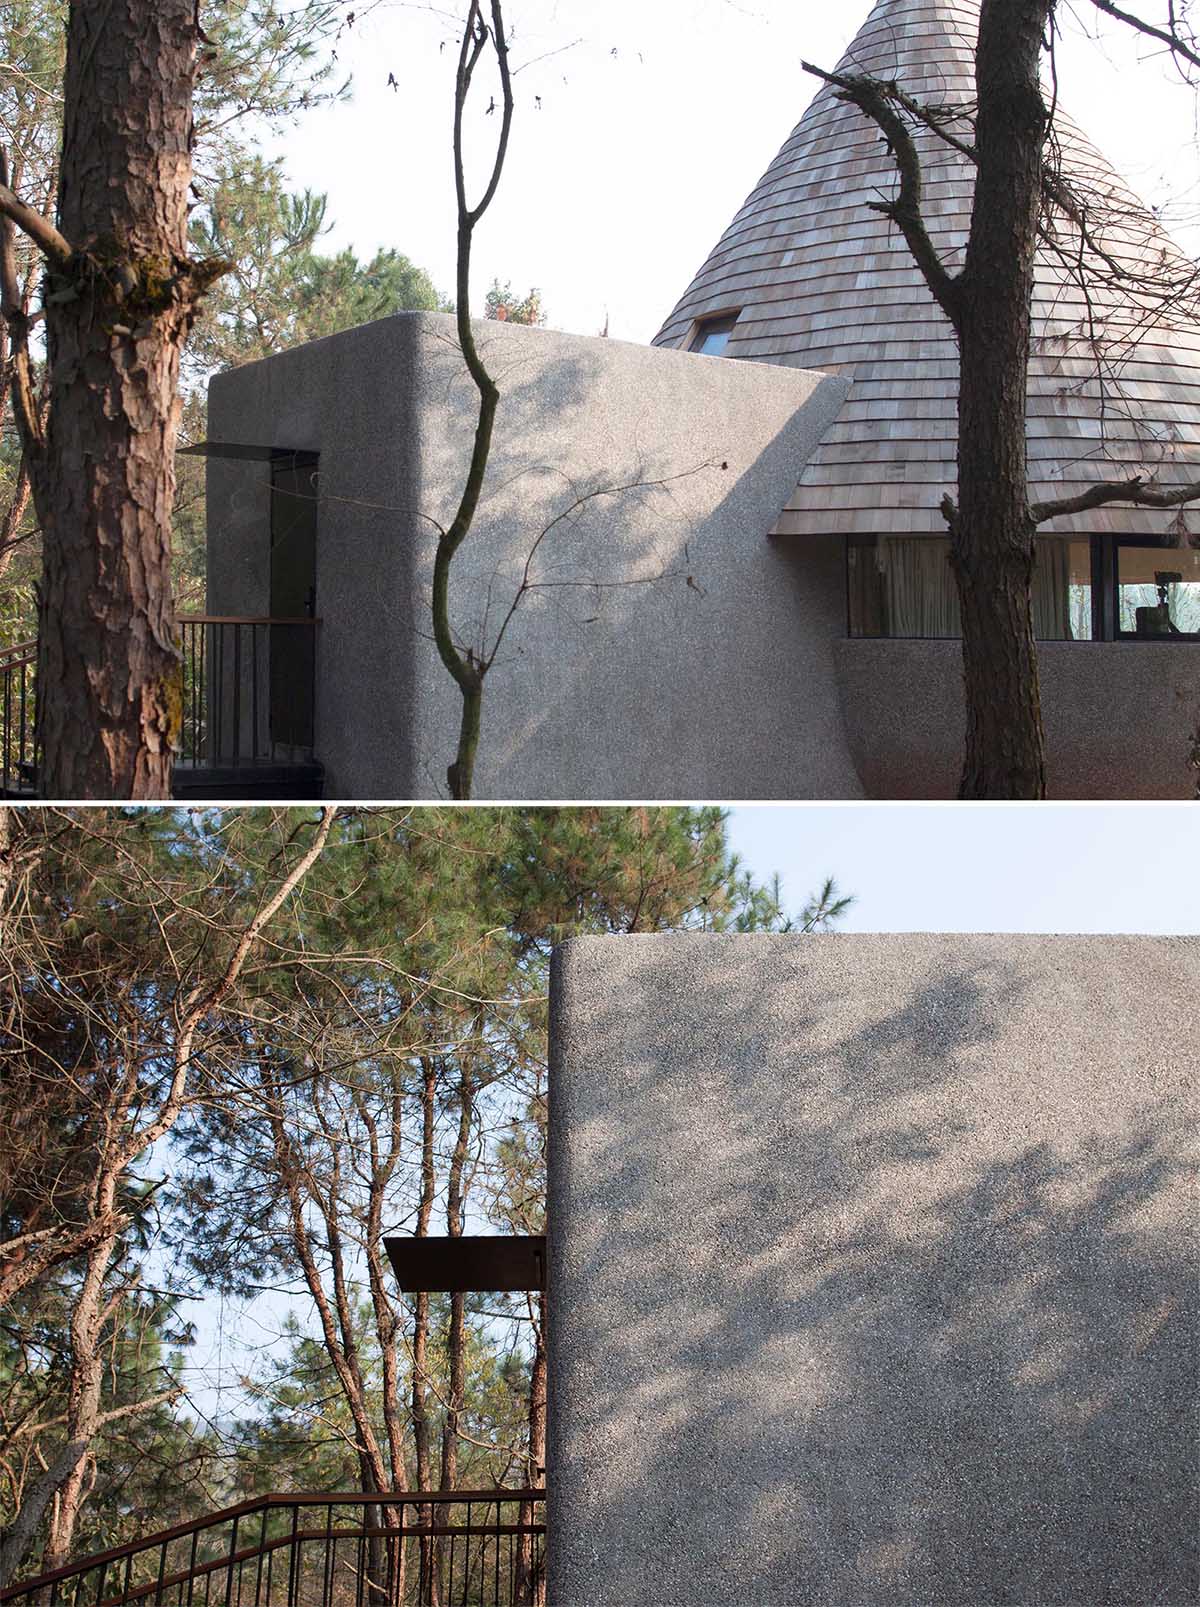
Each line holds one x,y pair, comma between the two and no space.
823,282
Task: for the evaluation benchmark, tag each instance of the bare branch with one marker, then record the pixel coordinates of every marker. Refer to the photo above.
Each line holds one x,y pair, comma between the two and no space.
1167,36
203,999
1139,492
29,1256
467,672
40,230
500,46
875,100
528,584
12,307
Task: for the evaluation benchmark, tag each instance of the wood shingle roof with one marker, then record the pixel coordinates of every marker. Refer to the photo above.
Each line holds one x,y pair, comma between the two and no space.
822,282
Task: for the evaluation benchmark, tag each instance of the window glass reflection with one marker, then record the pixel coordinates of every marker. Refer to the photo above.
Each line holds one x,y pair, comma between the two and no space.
1158,591
712,335
903,586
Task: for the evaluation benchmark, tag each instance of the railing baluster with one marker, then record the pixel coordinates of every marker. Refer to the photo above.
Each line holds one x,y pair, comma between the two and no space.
291,1590
162,1573
7,733
262,1540
496,1571
397,1582
237,692
204,708
187,638
328,1528
216,708
314,639
229,1575
467,1573
254,688
24,694
192,1566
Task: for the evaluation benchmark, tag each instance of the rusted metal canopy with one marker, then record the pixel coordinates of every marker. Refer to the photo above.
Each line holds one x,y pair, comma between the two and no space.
491,1265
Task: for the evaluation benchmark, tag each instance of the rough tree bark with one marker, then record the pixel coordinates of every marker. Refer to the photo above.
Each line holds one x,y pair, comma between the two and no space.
992,533
121,296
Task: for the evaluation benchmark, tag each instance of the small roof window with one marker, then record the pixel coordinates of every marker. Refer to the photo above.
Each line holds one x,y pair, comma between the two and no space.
712,334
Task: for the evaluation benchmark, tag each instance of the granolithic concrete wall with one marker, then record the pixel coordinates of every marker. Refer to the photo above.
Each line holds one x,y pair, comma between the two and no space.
1120,717
873,1272
667,648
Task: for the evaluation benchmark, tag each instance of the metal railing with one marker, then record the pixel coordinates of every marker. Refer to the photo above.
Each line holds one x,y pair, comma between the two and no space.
249,688
18,677
472,1548
249,695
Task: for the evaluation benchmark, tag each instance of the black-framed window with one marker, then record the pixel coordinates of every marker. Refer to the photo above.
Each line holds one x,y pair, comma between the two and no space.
711,335
1155,591
903,587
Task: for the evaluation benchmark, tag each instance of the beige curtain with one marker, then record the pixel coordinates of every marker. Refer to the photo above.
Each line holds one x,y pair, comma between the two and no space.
1052,590
921,596
922,599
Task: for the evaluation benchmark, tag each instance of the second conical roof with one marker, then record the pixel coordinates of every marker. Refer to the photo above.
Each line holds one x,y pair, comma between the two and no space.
822,282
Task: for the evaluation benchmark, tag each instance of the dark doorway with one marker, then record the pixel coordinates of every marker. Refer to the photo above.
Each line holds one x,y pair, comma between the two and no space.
293,597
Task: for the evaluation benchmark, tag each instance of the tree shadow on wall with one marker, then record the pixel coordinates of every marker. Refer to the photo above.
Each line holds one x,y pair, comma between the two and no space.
889,1334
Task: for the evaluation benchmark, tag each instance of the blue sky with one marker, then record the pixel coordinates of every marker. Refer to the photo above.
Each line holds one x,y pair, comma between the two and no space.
986,868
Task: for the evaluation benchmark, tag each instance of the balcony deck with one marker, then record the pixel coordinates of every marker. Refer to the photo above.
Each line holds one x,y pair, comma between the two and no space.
249,697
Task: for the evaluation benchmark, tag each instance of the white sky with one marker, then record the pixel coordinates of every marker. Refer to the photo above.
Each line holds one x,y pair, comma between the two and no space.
616,190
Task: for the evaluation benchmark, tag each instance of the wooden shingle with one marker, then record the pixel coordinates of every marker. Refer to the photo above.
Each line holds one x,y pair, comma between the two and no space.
825,283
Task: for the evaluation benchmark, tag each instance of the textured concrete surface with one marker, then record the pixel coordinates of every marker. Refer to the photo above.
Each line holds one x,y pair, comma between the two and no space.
341,397
1120,717
668,650
873,1272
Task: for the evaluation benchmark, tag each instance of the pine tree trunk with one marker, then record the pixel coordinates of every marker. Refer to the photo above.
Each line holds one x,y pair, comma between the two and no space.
390,1586
422,1440
456,1327
992,533
118,313
10,525
531,1579
63,1487
456,1330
